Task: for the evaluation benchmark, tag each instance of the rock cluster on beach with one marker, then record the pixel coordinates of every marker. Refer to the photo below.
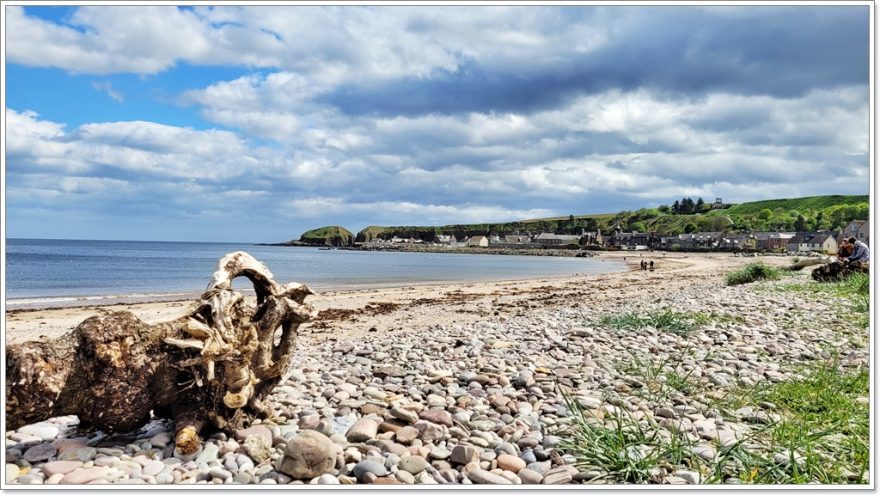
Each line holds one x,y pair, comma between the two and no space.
465,404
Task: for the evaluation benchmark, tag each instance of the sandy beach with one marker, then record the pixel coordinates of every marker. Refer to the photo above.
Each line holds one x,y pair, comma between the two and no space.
413,307
462,383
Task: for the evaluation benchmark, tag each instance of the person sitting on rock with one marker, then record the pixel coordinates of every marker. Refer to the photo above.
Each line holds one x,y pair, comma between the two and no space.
845,251
860,251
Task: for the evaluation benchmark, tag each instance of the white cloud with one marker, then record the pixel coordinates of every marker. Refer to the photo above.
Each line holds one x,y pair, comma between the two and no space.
134,147
400,211
332,44
107,88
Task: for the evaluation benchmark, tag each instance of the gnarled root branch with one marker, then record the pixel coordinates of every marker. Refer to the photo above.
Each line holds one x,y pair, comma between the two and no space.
214,365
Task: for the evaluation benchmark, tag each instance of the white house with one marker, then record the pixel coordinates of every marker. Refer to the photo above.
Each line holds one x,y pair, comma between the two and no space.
824,242
806,242
478,241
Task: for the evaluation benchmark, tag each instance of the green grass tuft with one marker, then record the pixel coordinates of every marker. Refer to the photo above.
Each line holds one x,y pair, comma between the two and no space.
752,273
820,434
854,289
666,321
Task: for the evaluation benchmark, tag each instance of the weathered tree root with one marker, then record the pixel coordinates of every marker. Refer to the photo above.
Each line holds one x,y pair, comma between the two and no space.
210,368
838,270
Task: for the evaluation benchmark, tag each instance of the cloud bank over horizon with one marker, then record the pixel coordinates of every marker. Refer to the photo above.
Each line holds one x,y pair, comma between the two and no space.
257,123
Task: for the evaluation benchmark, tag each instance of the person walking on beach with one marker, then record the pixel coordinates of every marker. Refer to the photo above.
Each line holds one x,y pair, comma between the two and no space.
651,265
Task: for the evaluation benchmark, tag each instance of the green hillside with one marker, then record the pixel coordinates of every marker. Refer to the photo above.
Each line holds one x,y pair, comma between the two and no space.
327,236
800,204
810,213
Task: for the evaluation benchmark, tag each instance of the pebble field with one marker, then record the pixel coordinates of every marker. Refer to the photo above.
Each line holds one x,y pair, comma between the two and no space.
485,402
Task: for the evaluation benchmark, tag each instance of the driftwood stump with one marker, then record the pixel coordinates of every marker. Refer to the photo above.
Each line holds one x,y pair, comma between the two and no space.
838,270
809,262
212,367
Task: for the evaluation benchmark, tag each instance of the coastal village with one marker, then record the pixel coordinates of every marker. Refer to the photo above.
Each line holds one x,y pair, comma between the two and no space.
823,242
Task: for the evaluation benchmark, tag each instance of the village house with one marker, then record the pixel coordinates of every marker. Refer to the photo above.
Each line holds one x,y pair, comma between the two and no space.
697,240
517,239
631,240
773,241
824,242
557,239
592,238
860,229
798,243
478,241
806,242
745,242
445,239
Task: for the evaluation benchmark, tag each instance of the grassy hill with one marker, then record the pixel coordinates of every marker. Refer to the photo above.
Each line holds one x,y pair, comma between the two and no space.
333,235
818,213
799,204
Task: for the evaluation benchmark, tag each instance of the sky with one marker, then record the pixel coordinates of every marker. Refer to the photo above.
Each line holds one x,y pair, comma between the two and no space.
255,124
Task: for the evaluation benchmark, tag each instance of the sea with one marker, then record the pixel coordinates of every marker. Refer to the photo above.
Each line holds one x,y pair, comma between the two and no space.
54,272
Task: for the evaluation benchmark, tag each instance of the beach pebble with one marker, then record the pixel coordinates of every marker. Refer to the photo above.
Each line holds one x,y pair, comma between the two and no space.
363,469
166,478
161,439
153,468
364,429
413,464
11,472
308,455
530,477
406,435
510,463
41,431
689,477
483,477
463,454
54,479
438,416
218,472
85,475
559,475
258,447
210,453
326,479
82,454
61,467
404,415
39,452
258,430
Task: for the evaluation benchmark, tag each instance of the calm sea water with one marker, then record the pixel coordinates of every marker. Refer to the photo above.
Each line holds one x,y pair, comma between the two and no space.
44,272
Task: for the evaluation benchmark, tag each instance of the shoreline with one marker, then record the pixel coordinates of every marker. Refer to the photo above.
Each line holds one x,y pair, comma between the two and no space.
42,302
348,309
